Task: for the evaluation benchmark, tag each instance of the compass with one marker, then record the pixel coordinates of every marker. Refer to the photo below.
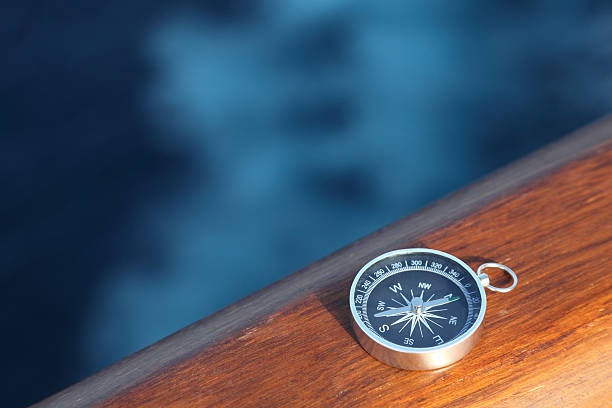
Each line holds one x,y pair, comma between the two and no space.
420,309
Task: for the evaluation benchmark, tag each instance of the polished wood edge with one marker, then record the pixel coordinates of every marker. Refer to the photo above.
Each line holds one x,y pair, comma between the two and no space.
190,340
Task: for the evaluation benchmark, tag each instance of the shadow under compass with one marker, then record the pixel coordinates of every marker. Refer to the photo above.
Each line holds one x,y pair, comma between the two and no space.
336,301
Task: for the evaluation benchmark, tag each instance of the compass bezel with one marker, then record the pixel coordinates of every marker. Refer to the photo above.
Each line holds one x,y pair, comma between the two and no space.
413,357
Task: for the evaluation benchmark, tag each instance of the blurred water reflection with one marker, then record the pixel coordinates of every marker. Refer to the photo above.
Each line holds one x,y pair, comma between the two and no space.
162,162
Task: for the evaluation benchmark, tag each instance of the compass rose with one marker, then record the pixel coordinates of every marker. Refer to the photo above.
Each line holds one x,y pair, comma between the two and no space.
416,312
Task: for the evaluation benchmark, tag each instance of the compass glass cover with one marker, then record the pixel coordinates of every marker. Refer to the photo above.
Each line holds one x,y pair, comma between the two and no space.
417,299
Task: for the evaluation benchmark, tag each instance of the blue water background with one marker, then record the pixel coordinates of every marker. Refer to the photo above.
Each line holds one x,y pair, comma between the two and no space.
160,161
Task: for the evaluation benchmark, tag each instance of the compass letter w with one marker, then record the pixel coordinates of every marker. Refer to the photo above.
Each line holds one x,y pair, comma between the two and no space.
395,287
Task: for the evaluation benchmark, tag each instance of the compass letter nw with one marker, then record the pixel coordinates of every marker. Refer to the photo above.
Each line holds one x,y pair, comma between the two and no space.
424,285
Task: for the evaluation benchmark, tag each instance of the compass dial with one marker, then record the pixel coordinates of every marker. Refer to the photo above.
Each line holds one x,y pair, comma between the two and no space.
417,299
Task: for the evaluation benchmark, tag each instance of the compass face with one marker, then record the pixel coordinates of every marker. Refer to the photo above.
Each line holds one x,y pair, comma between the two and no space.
417,299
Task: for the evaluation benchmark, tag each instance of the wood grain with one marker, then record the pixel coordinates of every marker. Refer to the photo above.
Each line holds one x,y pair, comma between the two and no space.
548,343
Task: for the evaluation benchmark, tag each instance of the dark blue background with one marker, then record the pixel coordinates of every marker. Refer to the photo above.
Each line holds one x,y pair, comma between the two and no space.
162,160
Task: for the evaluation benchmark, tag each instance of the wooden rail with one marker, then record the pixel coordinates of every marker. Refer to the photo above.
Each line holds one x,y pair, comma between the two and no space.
548,343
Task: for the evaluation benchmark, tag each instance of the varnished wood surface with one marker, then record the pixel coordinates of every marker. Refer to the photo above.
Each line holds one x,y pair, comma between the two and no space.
548,343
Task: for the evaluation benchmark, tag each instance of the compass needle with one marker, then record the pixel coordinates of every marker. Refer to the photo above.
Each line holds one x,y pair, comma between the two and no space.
394,311
439,302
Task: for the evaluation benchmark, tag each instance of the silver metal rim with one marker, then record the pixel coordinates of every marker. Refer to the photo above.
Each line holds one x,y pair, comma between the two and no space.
412,350
496,265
